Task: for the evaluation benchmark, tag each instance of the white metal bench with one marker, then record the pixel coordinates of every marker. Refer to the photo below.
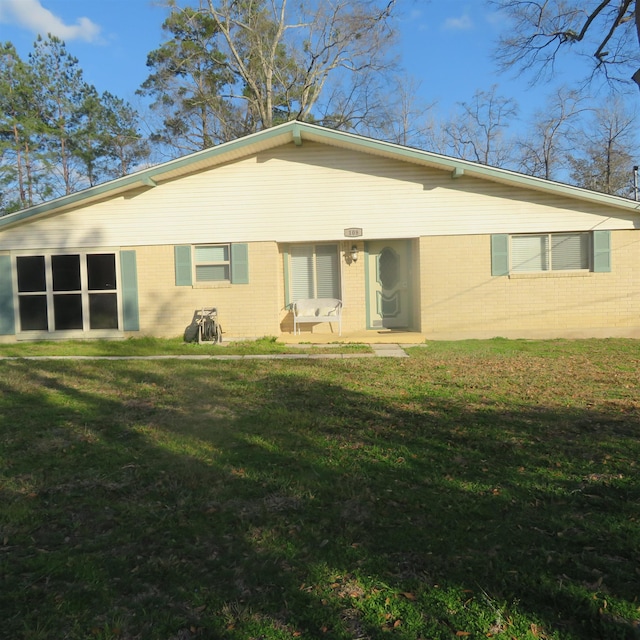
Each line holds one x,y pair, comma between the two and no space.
313,310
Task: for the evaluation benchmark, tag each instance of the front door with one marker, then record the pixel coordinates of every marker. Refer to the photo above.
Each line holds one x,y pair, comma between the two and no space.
389,288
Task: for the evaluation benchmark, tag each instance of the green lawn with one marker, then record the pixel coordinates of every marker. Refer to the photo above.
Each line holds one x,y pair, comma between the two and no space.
474,490
169,347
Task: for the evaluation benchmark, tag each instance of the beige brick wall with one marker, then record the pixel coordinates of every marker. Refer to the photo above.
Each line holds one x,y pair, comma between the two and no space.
353,288
460,297
455,295
252,309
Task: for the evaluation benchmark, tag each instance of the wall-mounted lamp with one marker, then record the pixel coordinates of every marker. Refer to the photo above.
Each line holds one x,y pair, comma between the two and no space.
354,253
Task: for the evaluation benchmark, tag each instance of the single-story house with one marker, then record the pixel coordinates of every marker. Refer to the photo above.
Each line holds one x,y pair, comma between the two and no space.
407,239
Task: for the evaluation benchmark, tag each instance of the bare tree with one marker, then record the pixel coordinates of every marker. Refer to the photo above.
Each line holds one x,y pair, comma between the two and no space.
606,30
284,55
400,116
605,158
544,151
478,132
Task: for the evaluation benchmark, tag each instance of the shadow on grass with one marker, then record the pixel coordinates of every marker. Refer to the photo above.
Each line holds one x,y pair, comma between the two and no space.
279,500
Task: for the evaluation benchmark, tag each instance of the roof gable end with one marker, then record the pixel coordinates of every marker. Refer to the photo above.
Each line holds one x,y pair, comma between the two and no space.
295,132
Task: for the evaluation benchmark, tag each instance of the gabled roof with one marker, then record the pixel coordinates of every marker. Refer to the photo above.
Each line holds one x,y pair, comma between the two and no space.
298,132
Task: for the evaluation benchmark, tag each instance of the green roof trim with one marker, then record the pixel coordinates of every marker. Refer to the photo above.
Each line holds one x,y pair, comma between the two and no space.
296,132
297,136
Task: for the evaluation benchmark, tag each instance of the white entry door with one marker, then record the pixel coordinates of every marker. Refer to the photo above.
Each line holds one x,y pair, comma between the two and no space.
388,272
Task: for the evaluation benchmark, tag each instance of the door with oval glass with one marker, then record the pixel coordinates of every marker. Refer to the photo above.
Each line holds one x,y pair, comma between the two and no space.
389,290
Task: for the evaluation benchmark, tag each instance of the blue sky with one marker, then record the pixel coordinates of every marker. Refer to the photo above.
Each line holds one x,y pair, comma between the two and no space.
445,45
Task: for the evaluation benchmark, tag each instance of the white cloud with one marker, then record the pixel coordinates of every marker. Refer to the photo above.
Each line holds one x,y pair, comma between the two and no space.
30,14
416,18
463,23
497,20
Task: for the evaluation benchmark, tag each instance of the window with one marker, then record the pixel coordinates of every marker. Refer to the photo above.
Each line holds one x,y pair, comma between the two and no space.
550,252
212,263
314,271
67,292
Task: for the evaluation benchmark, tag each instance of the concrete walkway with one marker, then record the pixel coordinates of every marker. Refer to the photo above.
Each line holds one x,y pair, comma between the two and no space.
379,351
371,337
389,351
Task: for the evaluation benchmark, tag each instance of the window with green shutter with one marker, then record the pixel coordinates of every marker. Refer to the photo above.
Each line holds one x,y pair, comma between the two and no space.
540,252
202,264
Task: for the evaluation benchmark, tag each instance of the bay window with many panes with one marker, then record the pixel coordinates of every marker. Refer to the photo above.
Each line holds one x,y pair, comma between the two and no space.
67,292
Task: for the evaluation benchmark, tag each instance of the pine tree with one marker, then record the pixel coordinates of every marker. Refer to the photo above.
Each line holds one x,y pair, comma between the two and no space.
188,79
122,146
19,124
61,94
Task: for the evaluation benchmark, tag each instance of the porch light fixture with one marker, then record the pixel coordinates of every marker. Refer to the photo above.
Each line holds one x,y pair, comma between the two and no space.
354,253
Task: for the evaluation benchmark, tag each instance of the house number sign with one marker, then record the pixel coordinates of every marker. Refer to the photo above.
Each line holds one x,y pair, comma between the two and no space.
353,232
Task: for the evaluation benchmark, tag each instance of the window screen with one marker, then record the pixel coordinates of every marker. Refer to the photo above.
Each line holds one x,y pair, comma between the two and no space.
550,252
314,271
212,263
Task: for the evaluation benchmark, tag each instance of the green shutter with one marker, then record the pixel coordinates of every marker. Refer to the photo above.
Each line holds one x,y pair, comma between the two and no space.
7,311
129,288
183,265
500,254
239,264
602,251
285,260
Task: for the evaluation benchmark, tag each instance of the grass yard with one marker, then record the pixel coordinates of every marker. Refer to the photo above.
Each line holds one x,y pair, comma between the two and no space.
475,490
169,347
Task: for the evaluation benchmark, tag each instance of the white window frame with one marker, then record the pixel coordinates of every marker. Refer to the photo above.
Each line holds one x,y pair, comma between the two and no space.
546,260
314,273
50,294
211,263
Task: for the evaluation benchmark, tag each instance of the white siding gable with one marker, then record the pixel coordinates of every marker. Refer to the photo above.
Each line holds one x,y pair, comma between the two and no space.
311,192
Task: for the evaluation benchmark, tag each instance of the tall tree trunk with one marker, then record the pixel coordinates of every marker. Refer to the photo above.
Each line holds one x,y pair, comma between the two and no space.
21,190
636,75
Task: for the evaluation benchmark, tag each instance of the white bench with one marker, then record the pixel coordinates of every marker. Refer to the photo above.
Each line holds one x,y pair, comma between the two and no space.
316,310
